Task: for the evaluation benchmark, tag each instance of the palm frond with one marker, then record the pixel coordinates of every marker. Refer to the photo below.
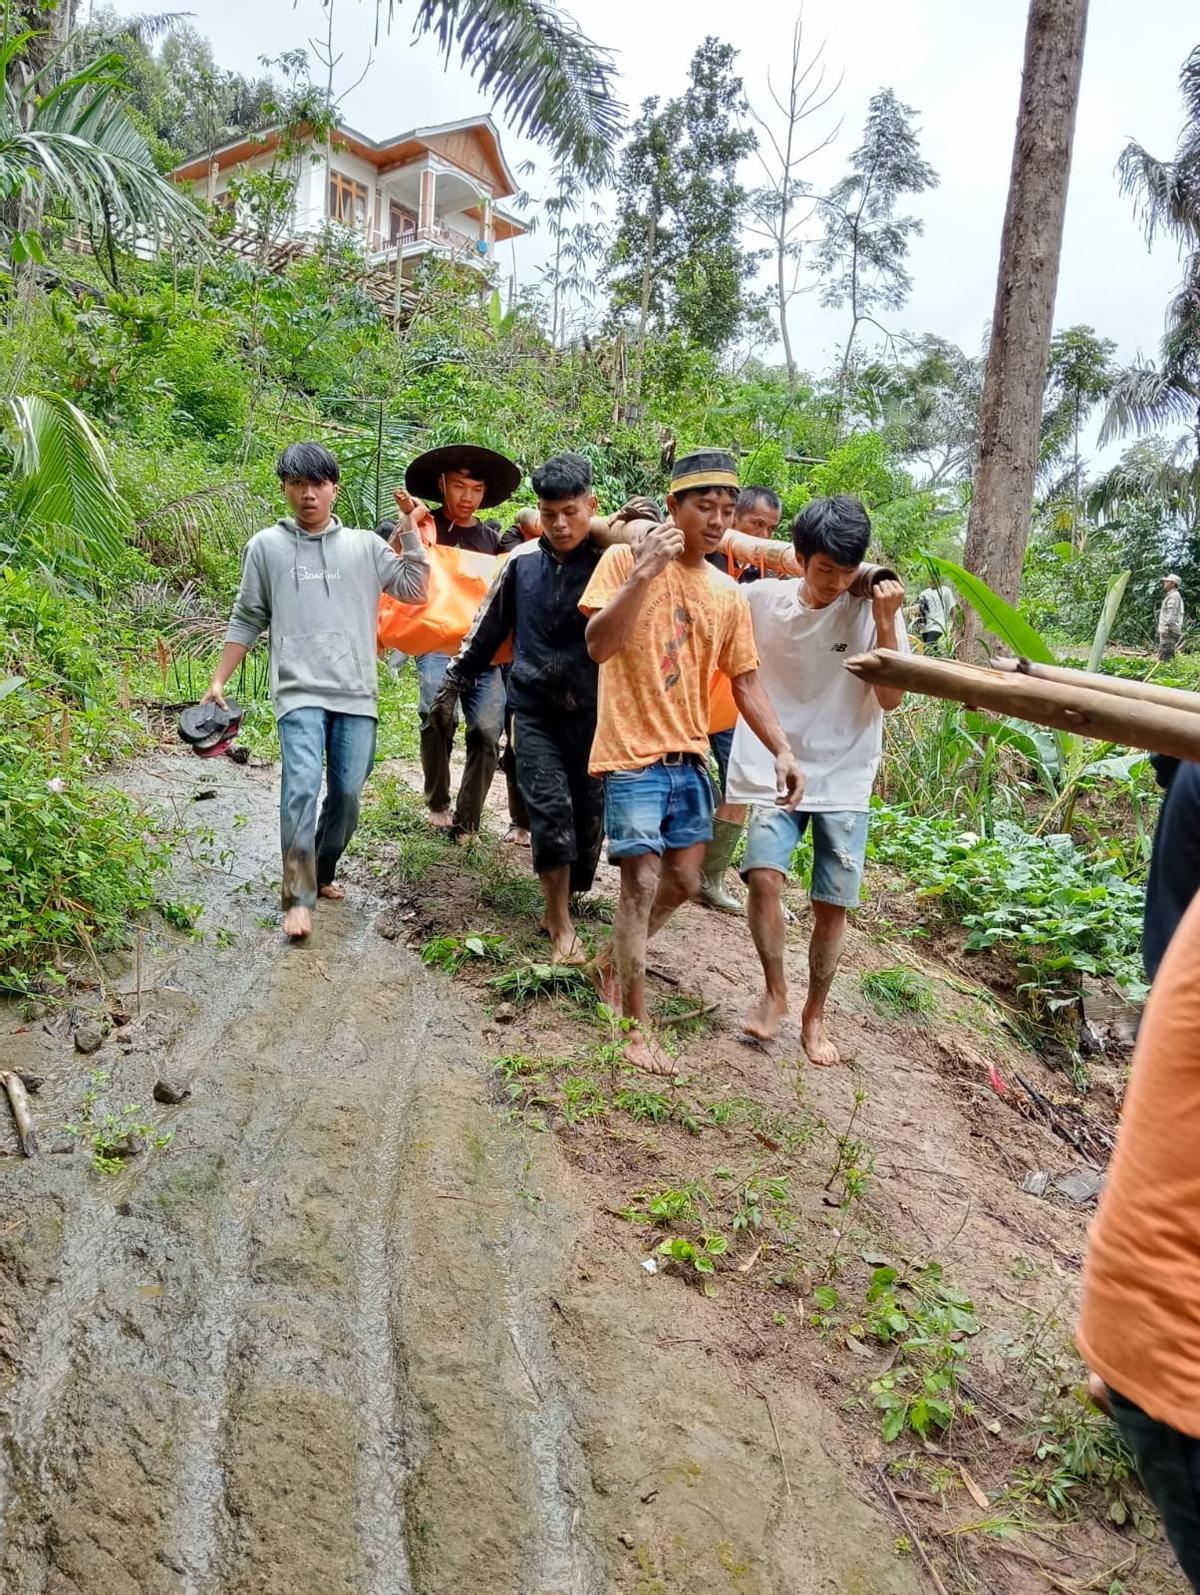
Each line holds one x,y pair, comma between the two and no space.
1189,88
83,154
222,517
1146,399
1154,473
1165,194
62,481
553,83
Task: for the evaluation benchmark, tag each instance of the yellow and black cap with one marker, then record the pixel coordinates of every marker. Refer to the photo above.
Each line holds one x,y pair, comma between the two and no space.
704,468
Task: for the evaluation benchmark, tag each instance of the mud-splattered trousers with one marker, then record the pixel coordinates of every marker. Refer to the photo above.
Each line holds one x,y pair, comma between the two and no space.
345,745
483,707
565,803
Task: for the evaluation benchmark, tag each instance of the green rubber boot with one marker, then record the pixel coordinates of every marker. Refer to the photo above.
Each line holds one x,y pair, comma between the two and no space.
717,860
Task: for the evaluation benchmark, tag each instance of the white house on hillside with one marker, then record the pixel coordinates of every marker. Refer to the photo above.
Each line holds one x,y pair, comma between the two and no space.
431,191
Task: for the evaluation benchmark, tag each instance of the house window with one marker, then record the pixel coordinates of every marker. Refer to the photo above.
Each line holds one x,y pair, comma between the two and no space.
347,200
402,223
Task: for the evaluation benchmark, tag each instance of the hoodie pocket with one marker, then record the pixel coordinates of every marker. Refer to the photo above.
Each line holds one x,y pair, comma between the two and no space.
321,661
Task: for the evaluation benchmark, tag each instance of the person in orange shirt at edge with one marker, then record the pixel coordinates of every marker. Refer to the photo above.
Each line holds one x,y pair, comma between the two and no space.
1139,1328
661,621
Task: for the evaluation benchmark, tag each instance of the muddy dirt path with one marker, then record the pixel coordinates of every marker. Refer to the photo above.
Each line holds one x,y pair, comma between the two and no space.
339,1336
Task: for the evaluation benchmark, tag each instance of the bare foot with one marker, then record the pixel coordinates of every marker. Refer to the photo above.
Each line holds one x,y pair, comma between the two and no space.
817,1042
297,923
518,836
440,819
566,948
763,1020
642,1052
603,975
333,891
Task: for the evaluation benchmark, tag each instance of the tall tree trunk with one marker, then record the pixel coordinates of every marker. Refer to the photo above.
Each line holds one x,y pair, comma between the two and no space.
644,307
1030,245
780,262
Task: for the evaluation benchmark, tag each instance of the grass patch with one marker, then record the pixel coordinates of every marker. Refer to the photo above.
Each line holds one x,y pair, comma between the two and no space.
527,982
898,991
394,813
452,953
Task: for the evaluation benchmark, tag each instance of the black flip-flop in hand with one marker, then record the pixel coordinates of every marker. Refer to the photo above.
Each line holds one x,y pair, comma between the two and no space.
210,729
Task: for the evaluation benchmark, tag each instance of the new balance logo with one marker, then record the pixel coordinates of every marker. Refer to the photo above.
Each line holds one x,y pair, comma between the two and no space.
838,648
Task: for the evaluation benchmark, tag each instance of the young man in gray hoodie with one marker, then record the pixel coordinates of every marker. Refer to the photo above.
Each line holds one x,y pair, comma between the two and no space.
316,584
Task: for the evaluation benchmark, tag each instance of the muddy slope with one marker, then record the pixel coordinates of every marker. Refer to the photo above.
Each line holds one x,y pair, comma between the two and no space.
345,1333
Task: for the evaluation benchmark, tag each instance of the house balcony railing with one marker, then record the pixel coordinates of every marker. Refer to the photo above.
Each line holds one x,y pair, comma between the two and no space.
436,235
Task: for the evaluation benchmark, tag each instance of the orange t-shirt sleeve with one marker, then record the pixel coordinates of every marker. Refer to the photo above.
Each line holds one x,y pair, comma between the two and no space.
1140,1322
607,579
738,655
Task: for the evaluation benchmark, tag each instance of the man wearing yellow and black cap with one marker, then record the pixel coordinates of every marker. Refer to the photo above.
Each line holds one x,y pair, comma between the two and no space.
661,621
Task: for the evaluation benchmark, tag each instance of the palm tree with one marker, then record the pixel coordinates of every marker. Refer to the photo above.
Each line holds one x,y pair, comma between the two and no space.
546,75
1150,396
70,146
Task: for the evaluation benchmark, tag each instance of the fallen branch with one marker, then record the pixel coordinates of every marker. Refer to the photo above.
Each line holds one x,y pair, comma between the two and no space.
18,1101
913,1535
1082,710
778,1443
686,1018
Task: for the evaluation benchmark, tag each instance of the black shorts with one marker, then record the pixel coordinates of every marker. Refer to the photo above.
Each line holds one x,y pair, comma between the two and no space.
565,803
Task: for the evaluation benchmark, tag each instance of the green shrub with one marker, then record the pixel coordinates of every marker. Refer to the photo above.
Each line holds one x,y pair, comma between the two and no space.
78,861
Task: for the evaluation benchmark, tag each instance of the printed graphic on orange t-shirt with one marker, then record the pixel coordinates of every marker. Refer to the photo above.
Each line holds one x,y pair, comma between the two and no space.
654,694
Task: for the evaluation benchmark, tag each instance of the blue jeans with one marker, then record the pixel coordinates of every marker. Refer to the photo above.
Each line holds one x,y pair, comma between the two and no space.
839,850
663,808
483,706
345,744
721,743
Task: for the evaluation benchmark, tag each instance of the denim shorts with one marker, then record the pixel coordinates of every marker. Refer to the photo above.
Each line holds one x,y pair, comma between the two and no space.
721,743
839,850
663,807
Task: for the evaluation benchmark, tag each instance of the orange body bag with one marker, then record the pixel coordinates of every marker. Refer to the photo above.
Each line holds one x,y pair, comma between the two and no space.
458,581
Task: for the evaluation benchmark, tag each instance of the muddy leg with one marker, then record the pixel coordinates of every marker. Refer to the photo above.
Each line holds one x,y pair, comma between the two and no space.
768,928
679,883
641,879
556,921
824,951
302,747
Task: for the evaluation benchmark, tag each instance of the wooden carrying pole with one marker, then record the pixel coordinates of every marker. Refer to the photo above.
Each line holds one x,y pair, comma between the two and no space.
1117,686
1063,707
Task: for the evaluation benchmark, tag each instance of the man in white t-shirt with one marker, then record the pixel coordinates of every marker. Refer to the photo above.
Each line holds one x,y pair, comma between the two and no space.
804,630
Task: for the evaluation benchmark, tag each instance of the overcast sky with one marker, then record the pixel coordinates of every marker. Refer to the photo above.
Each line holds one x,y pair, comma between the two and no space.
957,62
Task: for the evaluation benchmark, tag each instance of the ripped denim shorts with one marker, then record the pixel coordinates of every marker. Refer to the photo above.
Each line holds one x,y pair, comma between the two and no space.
839,849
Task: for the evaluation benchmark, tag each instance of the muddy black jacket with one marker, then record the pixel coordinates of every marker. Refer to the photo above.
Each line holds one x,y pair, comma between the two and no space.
535,601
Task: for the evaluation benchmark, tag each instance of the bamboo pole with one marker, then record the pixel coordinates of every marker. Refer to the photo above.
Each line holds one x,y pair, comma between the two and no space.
1117,686
1082,710
14,1086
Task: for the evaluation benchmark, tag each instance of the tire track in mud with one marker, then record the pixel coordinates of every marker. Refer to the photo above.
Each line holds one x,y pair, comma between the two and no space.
229,1389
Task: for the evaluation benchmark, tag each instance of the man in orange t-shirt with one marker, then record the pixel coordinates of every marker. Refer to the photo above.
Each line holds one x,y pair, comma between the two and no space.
1139,1329
661,621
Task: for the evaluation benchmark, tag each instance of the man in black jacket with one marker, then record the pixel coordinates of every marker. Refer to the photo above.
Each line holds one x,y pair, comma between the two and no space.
551,688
